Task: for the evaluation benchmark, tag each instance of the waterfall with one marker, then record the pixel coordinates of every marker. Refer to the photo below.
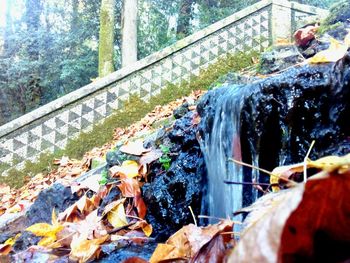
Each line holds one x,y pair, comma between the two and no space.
220,144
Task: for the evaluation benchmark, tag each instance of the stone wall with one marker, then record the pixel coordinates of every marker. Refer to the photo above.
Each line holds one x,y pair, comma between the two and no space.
48,128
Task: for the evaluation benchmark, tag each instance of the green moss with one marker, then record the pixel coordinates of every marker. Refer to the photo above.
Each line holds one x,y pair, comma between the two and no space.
326,27
133,111
337,15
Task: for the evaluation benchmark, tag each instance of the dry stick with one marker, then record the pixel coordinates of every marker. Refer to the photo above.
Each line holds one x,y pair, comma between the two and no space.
219,218
194,218
305,160
118,229
262,170
249,183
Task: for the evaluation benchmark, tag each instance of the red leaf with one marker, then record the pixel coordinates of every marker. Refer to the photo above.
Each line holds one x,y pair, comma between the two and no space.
212,252
319,229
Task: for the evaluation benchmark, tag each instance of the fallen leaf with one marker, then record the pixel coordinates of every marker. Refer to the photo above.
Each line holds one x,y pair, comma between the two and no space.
318,230
307,223
259,242
128,169
189,240
140,206
5,249
335,52
134,148
165,252
150,156
11,241
4,189
303,36
116,216
84,250
129,187
213,252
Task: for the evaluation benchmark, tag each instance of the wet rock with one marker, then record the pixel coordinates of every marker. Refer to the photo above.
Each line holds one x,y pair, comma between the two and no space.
181,111
281,57
280,116
339,13
56,197
26,240
118,255
117,157
169,193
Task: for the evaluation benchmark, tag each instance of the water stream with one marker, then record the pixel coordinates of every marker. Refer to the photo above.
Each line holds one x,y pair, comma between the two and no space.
221,144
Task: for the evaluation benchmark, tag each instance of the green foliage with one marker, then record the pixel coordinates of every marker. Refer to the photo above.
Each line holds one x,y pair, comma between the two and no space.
104,178
165,160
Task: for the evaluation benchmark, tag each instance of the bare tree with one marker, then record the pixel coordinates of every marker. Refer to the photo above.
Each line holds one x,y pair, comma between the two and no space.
106,38
129,32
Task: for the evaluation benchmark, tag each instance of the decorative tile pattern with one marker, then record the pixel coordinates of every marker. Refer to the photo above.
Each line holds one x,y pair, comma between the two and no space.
51,132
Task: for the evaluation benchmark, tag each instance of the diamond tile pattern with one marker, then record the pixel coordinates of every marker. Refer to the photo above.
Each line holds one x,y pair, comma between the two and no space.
53,131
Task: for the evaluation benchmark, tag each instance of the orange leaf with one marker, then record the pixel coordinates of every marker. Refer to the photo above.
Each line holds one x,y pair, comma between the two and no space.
5,249
129,187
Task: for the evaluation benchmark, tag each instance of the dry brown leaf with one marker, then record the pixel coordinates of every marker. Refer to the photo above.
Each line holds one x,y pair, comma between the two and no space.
307,223
261,238
5,249
189,240
84,250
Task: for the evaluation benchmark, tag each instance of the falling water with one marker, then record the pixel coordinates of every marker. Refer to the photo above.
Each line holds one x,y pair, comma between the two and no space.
221,144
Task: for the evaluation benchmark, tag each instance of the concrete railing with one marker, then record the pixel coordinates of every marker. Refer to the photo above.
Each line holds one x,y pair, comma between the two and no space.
49,127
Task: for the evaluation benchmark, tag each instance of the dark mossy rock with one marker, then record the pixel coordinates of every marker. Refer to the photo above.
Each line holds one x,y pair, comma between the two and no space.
56,197
279,58
339,12
171,192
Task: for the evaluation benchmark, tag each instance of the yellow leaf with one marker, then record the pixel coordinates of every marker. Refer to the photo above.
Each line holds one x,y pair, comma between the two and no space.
11,241
54,220
44,229
147,229
85,250
49,241
128,169
116,217
335,52
331,163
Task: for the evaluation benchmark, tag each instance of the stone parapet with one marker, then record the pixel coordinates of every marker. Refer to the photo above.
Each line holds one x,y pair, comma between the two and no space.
49,127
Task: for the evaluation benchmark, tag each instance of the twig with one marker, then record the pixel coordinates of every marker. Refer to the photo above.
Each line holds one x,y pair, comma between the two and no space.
194,218
249,183
219,218
305,160
118,229
262,170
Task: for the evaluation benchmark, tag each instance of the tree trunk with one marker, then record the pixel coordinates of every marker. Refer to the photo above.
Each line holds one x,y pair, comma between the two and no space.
33,12
8,32
129,32
106,38
184,20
